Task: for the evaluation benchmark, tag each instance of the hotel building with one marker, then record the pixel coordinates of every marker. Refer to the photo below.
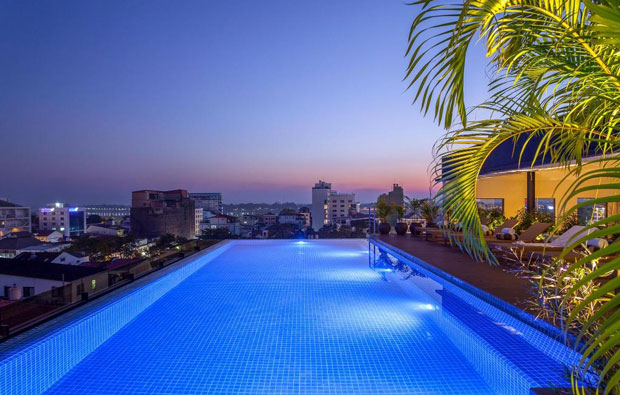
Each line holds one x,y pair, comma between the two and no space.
506,186
70,221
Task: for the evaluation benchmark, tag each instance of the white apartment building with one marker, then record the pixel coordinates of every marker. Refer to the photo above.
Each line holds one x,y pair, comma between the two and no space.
71,221
13,218
320,201
340,206
330,207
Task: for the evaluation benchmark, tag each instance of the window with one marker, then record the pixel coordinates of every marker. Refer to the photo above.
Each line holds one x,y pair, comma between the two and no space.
545,205
93,284
6,291
592,213
79,290
28,292
491,204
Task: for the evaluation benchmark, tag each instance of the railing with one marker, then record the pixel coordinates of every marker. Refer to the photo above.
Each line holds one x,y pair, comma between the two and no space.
25,313
372,221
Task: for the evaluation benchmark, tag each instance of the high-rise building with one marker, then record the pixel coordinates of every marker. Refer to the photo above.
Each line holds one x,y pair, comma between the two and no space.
320,201
396,195
330,207
70,221
208,201
13,218
156,213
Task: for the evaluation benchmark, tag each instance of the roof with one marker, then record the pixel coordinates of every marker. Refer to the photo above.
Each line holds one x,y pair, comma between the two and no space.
15,235
44,256
45,270
17,243
506,156
46,232
4,203
44,247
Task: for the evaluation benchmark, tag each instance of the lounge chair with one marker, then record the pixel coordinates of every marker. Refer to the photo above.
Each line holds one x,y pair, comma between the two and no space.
558,243
508,224
528,235
575,254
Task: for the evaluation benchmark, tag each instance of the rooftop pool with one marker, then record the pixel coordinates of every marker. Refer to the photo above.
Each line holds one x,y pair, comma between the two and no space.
282,317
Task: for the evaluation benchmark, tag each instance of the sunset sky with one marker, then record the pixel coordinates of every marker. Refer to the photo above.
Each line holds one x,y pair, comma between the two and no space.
254,99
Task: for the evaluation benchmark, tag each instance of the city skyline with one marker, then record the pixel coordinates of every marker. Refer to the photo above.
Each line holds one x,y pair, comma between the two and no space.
257,101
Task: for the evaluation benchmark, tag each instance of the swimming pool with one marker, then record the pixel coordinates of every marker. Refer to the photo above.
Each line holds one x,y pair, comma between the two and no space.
317,316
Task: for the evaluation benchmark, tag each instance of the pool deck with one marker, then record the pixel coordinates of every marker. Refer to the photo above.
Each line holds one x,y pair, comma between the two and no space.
489,278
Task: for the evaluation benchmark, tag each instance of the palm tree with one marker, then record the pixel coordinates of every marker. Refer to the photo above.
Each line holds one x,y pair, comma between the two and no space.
555,85
414,204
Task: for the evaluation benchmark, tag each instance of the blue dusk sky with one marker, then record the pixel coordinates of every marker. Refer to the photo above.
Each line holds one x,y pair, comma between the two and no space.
255,99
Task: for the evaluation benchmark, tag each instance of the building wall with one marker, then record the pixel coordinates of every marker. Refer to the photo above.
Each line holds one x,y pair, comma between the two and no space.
339,206
101,282
108,210
318,210
39,284
14,219
512,187
197,220
208,201
155,213
396,195
178,221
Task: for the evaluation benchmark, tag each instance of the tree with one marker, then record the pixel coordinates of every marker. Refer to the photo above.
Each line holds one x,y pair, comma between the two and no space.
556,86
165,240
415,205
383,208
217,234
94,219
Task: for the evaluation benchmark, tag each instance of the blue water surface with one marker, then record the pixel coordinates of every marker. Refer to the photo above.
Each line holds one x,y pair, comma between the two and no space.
282,317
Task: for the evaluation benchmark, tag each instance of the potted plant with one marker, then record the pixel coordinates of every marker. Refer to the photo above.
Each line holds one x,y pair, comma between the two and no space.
400,227
383,212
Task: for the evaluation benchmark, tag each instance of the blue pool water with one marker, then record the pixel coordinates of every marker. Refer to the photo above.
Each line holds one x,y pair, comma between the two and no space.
280,317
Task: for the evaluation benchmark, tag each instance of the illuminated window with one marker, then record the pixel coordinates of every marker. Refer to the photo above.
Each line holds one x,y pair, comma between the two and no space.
592,213
491,204
545,205
93,284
